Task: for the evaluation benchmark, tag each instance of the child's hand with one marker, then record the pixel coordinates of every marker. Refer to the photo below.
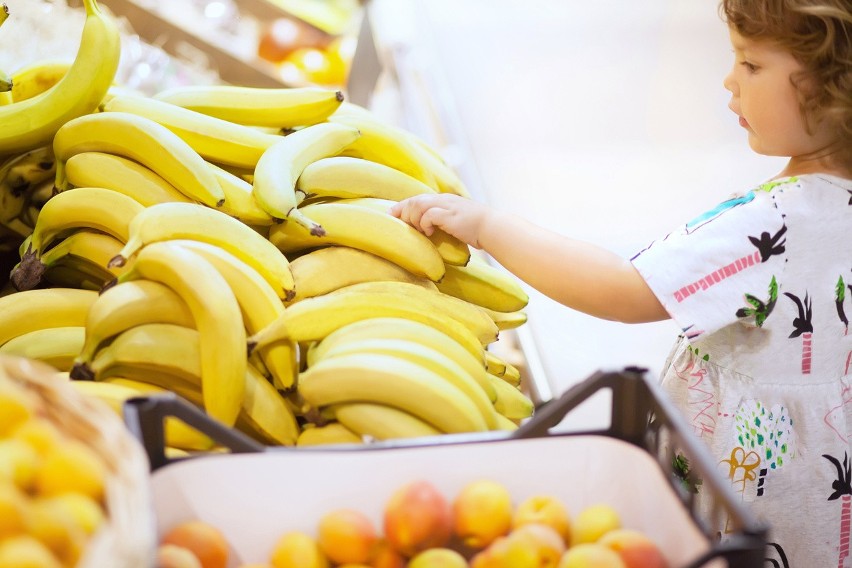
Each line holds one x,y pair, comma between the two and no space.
459,216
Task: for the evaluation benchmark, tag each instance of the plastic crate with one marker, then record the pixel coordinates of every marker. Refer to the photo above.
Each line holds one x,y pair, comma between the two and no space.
256,493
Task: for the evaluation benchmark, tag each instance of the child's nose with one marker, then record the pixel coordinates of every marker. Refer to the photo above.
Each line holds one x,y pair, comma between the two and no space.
729,83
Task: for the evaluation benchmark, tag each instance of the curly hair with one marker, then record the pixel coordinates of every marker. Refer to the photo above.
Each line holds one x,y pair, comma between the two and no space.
818,33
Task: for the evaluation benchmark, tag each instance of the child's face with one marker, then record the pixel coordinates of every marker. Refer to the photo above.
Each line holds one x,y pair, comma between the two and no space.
766,102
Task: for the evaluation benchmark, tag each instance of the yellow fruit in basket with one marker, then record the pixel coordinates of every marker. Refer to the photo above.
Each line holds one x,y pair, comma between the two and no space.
16,407
387,557
590,555
417,517
18,463
14,511
204,540
85,512
296,549
546,510
25,551
438,558
593,522
314,65
347,536
635,548
171,556
41,435
482,511
57,530
72,466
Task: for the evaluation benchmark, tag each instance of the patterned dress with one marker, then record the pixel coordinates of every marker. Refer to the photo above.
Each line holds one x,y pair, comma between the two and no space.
762,288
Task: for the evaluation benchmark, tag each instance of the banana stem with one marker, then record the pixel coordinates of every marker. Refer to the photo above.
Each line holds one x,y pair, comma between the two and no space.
5,82
298,217
91,7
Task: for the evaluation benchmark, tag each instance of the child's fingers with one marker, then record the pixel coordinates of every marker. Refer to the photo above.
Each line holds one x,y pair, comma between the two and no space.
411,210
433,218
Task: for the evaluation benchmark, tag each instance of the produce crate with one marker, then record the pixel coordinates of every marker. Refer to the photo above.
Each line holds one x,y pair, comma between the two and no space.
257,493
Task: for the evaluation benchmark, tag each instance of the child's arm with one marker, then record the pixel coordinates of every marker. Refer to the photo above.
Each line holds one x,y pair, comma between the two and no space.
577,274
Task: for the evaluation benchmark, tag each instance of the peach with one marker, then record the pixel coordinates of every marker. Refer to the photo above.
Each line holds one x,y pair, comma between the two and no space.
204,540
347,536
590,555
438,558
417,517
387,557
171,556
482,511
546,510
635,548
297,550
593,522
530,546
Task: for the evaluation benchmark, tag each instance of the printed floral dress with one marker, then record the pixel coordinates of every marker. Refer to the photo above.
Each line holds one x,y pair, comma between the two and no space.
762,289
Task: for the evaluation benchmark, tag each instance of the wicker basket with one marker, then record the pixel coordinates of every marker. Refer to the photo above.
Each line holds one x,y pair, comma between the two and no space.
127,538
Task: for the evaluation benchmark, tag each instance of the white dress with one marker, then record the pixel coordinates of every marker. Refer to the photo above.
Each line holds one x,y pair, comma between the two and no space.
761,287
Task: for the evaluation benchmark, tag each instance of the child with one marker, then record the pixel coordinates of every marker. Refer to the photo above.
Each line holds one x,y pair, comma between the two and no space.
761,285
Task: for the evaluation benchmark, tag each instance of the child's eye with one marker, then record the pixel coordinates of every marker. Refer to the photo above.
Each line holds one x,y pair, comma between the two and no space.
751,67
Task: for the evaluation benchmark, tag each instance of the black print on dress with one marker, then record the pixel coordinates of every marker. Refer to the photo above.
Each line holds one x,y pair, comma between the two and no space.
803,327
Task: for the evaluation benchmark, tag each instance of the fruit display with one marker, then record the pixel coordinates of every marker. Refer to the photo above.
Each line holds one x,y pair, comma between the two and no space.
233,245
481,526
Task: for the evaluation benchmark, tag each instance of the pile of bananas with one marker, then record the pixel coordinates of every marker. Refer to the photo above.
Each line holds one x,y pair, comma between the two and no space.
233,245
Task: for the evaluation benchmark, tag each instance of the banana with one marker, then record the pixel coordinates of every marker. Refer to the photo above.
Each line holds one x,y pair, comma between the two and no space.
447,179
6,98
343,176
32,310
56,346
86,245
330,434
511,402
127,305
259,304
280,108
144,141
110,171
363,228
38,77
266,413
34,122
451,249
506,424
330,268
18,176
484,285
469,355
215,139
5,82
4,13
428,358
217,317
383,379
498,367
281,165
239,201
507,320
66,274
177,434
381,422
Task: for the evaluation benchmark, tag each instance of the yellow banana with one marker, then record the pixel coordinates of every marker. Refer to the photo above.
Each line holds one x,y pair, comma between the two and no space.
217,318
498,367
239,201
426,357
381,422
281,165
259,304
34,122
280,108
4,13
468,354
215,139
144,141
327,269
5,82
32,310
363,228
169,221
445,177
507,320
507,424
484,285
76,274
38,77
97,248
265,412
56,346
383,379
19,174
343,176
110,171
330,434
511,402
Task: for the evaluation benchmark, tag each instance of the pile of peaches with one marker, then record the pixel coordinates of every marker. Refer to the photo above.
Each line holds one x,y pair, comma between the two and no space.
480,527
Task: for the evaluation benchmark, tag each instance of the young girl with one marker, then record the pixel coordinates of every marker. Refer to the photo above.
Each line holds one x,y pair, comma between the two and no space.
761,285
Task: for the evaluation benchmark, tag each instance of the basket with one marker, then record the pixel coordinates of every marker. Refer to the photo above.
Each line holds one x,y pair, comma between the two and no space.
126,538
630,463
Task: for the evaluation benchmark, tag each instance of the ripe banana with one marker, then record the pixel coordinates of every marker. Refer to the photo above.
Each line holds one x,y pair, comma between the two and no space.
32,310
280,108
366,229
507,424
507,320
38,77
468,354
217,317
327,269
330,434
56,346
92,246
239,201
215,139
496,366
511,402
19,174
110,171
5,82
484,285
281,165
447,179
343,176
259,304
76,274
34,122
4,13
428,358
144,141
168,221
381,422
383,379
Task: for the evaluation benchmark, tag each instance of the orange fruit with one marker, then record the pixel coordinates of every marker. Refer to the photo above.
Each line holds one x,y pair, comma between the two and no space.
204,540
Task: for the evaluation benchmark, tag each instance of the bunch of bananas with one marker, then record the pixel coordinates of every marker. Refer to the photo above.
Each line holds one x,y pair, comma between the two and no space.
233,245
